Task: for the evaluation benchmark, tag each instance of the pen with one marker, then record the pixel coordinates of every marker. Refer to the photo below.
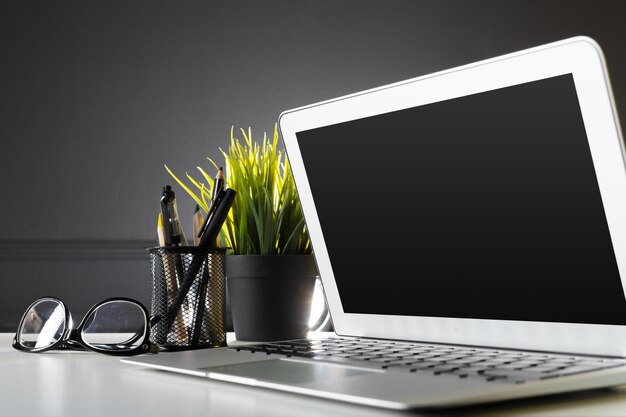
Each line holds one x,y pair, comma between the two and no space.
214,205
201,304
211,235
173,231
217,220
171,287
174,236
218,190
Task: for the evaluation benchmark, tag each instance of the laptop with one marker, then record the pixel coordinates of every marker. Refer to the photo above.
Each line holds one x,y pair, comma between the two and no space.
469,228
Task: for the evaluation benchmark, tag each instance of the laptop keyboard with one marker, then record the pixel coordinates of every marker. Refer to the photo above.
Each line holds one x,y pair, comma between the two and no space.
464,362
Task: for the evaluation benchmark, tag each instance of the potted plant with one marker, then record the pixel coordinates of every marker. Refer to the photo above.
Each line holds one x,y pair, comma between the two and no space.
270,269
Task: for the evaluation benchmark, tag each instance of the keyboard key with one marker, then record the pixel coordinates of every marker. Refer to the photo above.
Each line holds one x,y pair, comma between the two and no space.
443,350
335,350
511,366
425,355
515,375
496,378
385,360
366,348
421,367
466,351
598,363
436,361
544,369
511,355
536,357
439,369
487,353
348,348
475,370
525,363
387,351
420,349
563,358
495,362
577,369
385,346
451,357
365,357
464,361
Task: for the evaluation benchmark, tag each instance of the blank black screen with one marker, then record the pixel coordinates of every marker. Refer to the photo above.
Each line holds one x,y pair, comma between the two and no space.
484,206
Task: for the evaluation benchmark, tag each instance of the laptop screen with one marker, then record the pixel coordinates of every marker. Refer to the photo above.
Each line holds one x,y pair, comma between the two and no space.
485,206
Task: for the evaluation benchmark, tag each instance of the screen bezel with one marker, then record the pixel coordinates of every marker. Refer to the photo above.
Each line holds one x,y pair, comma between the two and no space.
579,56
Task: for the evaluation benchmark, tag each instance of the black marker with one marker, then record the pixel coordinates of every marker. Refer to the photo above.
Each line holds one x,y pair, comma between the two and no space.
218,218
174,235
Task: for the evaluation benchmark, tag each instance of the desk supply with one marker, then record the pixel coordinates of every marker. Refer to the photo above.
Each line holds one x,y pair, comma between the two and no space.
202,310
216,195
214,205
172,281
173,236
173,231
196,263
214,225
197,225
160,230
218,186
188,281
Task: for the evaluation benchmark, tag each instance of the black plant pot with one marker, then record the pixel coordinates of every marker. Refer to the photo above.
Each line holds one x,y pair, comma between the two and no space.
270,296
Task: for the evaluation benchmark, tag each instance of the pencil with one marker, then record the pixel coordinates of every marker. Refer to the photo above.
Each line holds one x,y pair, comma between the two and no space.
197,224
218,192
169,275
161,230
218,185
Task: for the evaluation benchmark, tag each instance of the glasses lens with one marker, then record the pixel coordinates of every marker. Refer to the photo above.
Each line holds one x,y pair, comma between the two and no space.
115,325
43,325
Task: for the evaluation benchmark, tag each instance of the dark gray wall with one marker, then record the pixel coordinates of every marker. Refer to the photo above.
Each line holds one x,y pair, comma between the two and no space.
97,96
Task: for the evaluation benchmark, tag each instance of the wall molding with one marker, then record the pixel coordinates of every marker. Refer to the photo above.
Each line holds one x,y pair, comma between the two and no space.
130,249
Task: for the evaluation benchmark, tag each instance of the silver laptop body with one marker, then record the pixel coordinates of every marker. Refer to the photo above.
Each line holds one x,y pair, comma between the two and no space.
475,211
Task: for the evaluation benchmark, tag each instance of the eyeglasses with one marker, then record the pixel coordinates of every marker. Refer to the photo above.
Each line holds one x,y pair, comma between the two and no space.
115,326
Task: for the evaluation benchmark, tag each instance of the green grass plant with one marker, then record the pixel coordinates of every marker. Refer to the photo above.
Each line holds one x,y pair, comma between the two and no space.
266,217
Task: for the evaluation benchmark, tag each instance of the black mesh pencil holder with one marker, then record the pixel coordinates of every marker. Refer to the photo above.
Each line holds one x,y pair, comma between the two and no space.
188,293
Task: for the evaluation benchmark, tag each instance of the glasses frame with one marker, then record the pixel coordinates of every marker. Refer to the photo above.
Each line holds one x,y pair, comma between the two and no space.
72,338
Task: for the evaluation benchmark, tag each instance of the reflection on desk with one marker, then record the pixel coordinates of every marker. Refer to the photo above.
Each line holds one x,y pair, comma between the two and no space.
69,384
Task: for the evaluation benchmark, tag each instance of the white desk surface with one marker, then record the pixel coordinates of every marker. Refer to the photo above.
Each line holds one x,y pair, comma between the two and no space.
67,384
